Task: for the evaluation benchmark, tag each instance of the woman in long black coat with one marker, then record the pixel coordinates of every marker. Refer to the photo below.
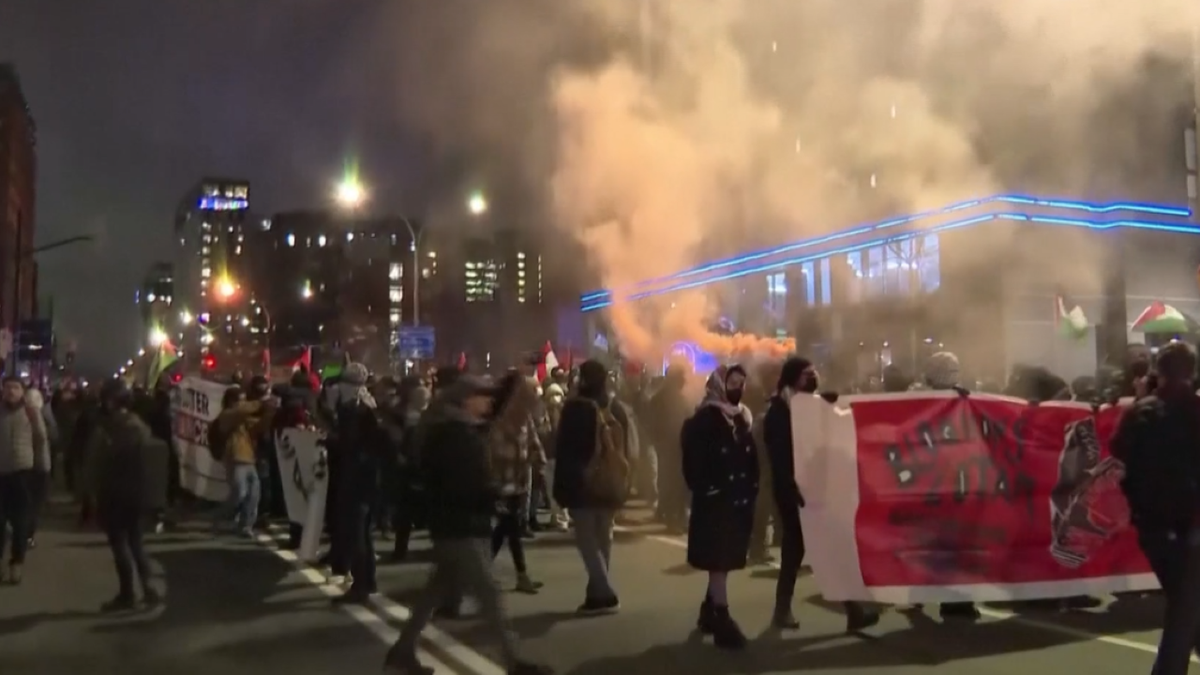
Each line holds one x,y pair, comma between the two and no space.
720,466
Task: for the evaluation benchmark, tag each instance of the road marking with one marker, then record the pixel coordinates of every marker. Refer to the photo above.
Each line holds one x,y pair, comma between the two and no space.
456,650
992,613
370,620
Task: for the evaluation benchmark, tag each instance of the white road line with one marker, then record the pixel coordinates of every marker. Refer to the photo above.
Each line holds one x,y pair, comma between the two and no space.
473,660
993,613
370,620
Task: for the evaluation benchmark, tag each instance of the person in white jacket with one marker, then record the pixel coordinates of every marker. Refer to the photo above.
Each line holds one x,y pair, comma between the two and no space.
43,464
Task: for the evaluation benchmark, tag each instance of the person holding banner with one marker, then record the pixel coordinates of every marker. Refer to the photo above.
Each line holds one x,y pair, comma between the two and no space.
720,467
798,377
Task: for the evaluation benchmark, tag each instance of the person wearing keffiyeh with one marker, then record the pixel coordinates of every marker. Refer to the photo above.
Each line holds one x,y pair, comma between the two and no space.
720,467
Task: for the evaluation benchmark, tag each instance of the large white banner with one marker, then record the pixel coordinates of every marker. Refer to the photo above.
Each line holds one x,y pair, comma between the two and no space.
942,497
304,473
195,404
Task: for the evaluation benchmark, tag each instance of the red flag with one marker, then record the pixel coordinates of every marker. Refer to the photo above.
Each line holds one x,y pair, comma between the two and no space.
569,361
462,360
266,360
548,362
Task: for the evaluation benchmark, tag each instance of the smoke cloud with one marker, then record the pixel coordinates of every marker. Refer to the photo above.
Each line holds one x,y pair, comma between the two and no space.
660,133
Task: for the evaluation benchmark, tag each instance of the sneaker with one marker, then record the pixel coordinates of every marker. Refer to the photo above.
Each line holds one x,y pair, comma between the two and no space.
121,603
596,607
859,618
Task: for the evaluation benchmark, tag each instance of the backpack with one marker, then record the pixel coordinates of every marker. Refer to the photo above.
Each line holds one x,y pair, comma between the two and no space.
1160,482
608,473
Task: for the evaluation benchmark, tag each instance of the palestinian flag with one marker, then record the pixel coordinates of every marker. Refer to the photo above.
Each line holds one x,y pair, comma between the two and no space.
164,356
1069,318
1163,319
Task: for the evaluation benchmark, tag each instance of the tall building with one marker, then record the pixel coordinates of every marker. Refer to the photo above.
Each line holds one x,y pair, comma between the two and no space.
497,307
328,278
155,297
213,308
18,192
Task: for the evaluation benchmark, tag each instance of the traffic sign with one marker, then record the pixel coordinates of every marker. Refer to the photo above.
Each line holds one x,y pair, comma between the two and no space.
416,342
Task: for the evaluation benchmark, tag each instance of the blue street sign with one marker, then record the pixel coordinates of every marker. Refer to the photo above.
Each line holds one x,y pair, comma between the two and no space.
416,342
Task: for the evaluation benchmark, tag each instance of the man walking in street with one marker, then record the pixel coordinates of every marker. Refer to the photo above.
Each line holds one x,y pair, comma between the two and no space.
20,439
462,497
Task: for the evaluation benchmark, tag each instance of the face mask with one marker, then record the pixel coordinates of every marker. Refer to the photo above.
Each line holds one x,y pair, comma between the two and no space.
809,384
734,396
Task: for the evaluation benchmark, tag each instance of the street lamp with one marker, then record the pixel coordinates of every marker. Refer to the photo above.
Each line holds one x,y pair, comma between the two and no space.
157,338
477,204
350,194
225,288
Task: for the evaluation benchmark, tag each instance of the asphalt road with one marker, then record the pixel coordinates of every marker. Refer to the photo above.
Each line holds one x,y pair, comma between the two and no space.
239,607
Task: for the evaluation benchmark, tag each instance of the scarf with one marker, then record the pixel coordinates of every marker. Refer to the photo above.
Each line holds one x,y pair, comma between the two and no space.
714,395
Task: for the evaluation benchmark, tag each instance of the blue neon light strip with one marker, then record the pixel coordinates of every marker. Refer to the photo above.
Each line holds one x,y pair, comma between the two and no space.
1066,204
881,241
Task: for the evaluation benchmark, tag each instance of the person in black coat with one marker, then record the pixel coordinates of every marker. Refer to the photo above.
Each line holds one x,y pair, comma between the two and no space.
720,466
797,377
593,515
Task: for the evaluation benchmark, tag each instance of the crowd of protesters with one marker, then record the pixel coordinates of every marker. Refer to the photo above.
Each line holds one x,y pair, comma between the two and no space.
475,461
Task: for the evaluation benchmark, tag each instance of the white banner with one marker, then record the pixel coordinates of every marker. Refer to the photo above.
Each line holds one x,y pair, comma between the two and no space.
304,473
195,404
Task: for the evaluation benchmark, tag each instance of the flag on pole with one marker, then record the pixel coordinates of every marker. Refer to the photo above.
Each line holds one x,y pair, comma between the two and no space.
164,356
548,362
1070,320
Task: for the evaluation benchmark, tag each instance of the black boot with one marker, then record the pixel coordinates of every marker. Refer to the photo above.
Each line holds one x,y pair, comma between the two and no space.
705,621
859,618
726,633
783,618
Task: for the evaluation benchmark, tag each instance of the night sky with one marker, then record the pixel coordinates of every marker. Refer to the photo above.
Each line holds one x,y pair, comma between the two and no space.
135,100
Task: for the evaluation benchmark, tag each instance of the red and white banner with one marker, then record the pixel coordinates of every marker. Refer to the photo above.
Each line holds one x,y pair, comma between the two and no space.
938,497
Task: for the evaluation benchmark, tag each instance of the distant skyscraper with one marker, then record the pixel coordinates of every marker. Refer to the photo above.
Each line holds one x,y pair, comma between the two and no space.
210,270
18,192
155,298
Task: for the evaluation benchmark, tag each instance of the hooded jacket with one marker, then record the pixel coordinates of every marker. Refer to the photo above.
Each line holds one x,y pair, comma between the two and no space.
575,444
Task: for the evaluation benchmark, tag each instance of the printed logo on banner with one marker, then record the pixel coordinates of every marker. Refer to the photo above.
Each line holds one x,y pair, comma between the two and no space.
1086,506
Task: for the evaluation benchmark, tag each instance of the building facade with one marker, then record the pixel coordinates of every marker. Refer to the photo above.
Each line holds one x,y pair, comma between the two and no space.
340,281
18,196
981,278
213,313
155,298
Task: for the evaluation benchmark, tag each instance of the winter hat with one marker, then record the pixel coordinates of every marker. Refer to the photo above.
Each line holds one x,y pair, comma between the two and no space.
941,371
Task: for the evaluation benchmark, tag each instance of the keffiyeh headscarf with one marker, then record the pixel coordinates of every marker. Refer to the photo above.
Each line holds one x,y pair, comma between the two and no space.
715,395
352,387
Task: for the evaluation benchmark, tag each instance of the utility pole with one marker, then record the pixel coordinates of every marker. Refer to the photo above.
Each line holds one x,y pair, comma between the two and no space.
19,265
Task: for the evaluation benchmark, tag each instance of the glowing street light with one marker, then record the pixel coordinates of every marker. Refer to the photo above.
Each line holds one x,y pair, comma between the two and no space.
306,292
157,338
350,193
185,317
477,204
225,288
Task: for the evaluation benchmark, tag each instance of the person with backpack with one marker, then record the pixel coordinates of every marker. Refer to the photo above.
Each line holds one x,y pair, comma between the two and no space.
1158,441
720,466
591,478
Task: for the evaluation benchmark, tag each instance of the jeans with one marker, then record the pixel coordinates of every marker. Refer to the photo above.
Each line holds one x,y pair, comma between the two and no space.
593,537
245,490
14,512
460,567
39,491
1175,560
123,528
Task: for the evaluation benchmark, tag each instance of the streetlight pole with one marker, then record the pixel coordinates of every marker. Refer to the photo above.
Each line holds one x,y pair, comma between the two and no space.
18,267
416,265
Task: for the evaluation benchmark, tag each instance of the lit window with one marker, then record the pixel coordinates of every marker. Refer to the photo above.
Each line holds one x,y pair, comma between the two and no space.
826,286
394,318
349,236
237,250
321,240
291,239
394,271
395,295
205,272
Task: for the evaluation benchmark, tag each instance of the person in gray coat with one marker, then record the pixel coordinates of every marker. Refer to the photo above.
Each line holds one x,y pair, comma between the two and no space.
21,437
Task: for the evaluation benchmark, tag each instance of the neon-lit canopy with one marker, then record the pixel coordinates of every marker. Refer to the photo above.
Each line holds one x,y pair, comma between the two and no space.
1043,211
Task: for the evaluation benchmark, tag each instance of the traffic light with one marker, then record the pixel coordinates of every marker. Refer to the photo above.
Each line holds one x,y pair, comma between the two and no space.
208,362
